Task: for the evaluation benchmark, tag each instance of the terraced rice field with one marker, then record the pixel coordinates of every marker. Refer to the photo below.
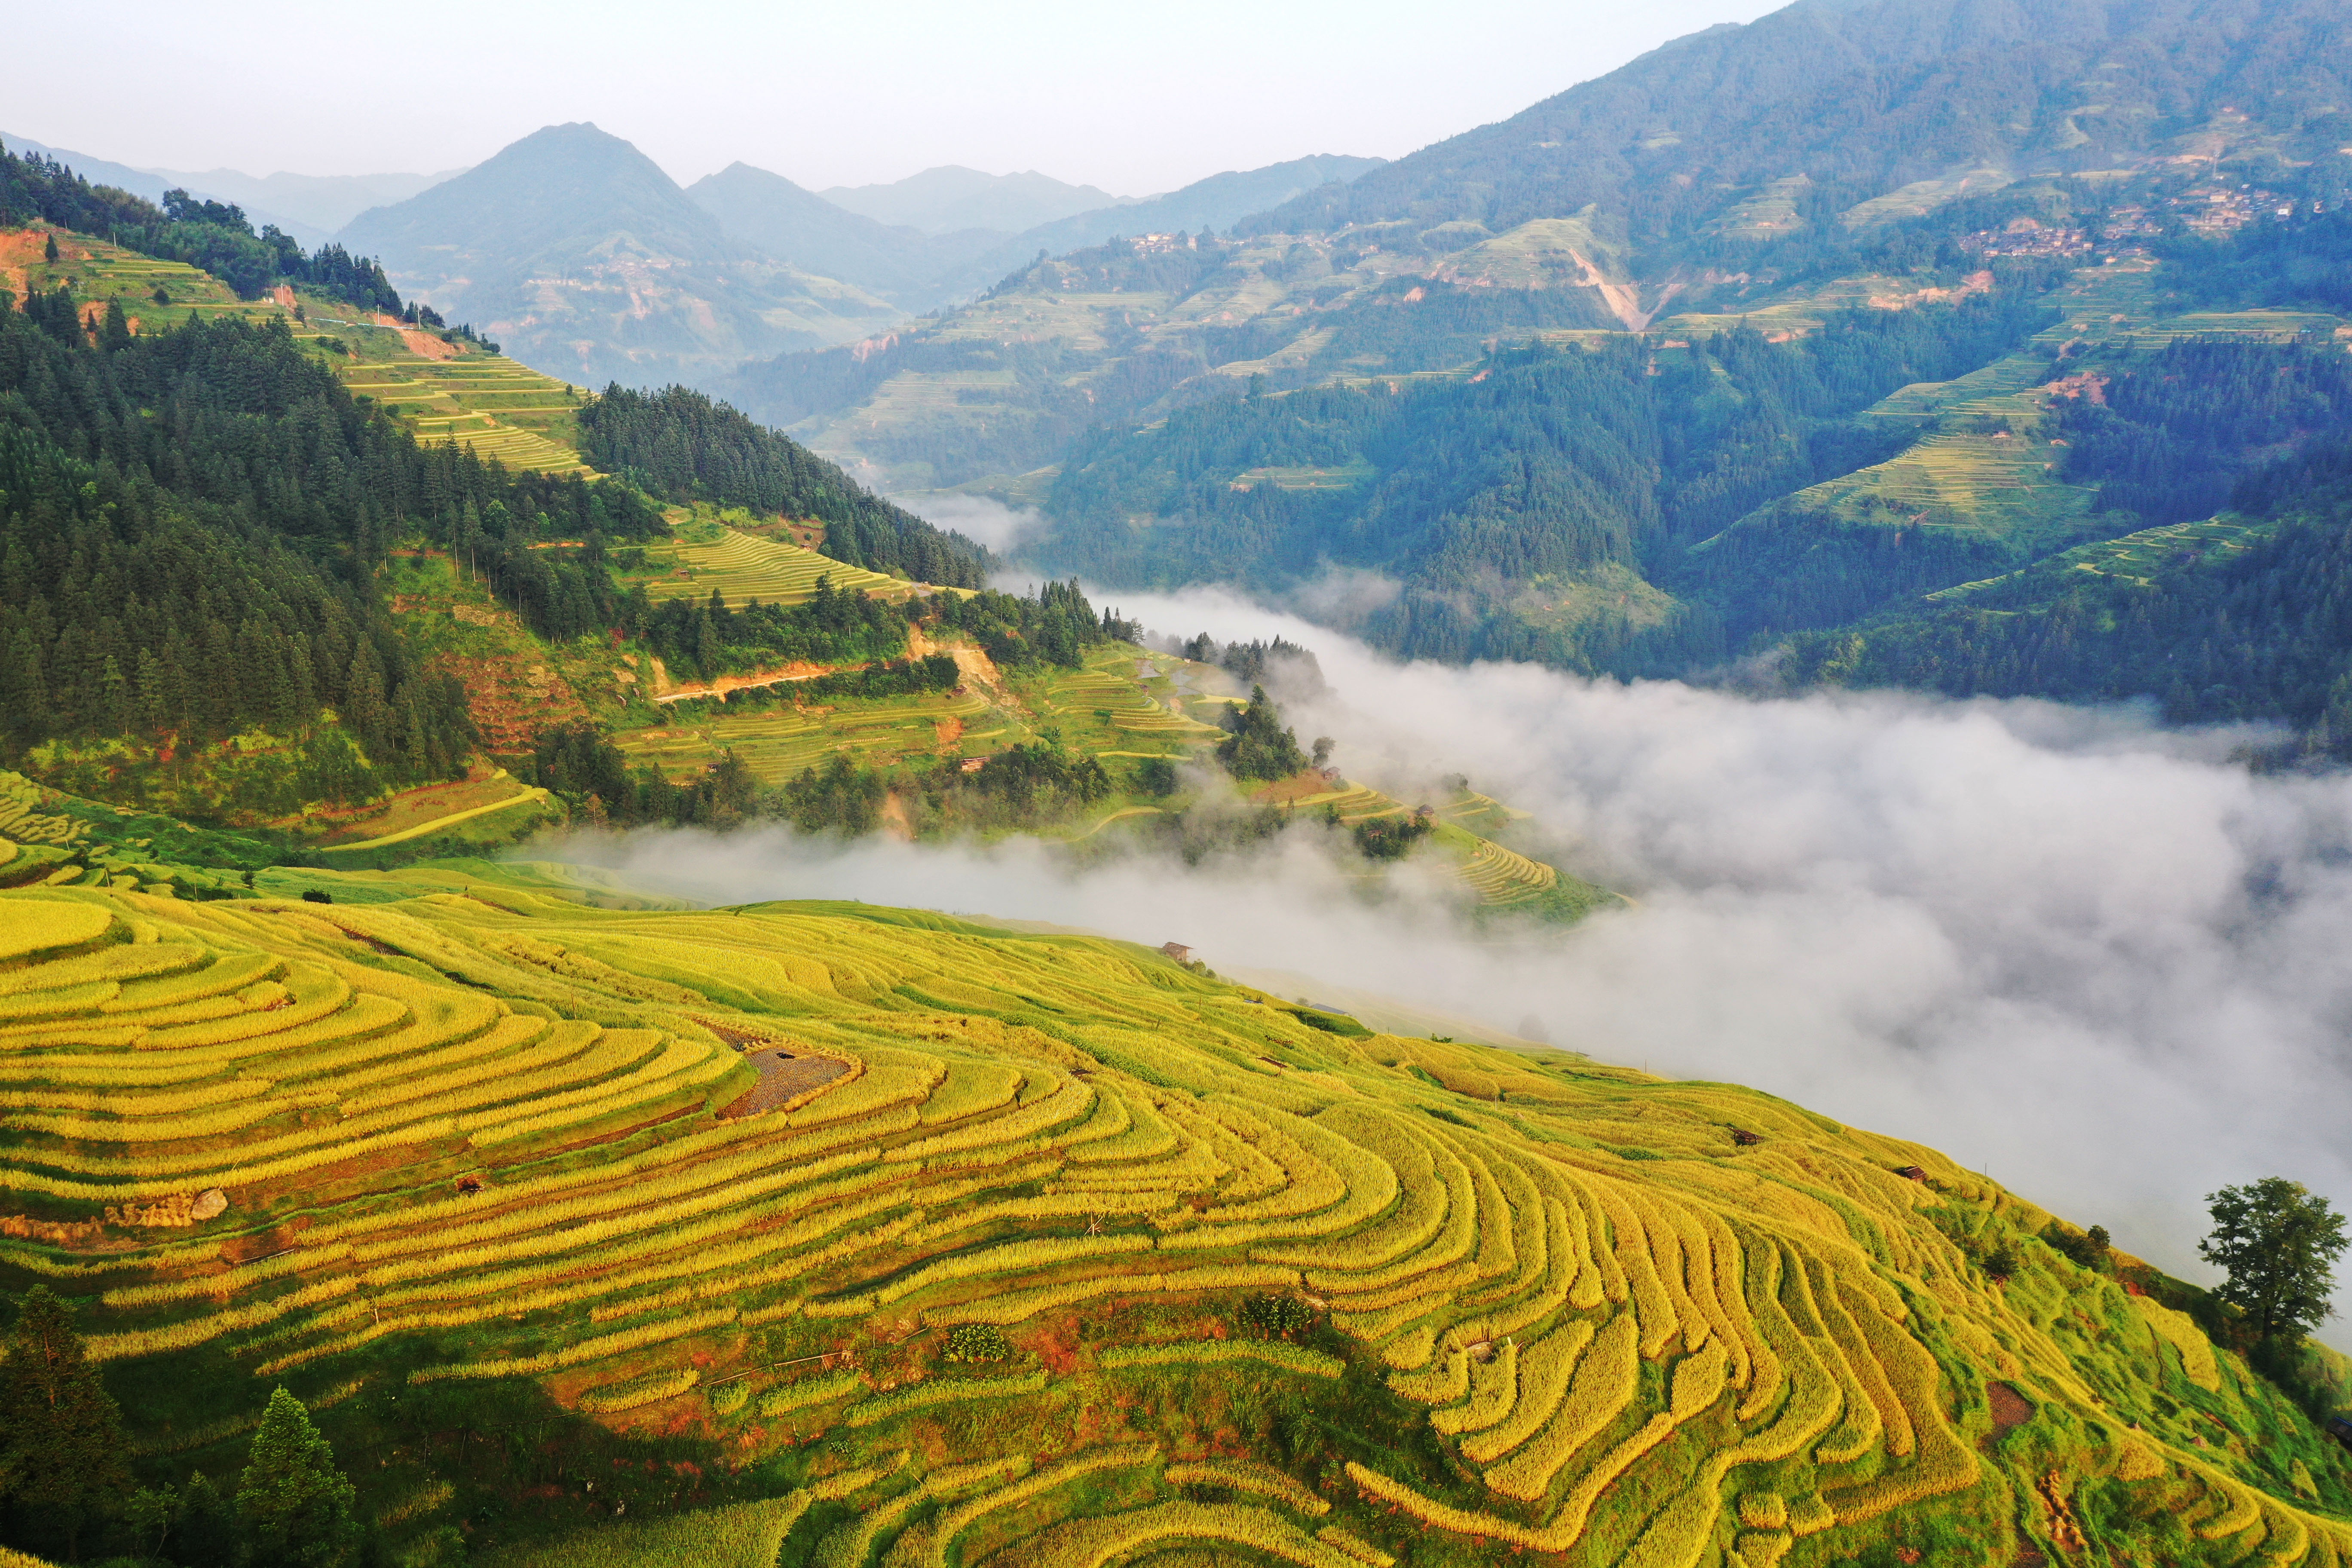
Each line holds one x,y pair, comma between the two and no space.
777,743
1633,1332
97,272
744,566
1985,459
1504,876
1107,696
2134,556
487,403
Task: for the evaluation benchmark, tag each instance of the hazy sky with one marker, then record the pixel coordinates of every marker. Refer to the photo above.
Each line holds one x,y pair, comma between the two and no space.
1133,99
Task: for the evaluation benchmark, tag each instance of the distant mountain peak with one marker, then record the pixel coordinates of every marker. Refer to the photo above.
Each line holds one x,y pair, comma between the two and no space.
544,243
950,196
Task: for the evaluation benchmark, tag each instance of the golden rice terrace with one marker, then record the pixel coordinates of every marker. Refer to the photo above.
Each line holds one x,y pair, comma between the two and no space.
955,1246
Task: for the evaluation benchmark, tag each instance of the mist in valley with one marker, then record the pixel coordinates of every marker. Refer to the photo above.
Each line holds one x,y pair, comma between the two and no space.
2094,958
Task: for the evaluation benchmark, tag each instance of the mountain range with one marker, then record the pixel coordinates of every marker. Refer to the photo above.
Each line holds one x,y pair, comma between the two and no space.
577,250
951,197
1747,347
310,207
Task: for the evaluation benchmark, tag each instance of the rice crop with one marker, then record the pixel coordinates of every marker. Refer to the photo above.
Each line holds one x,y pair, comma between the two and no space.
1215,1353
1091,1543
1018,1306
650,1389
1784,1305
807,1393
743,1535
1355,1546
1494,1385
938,1390
1241,1475
2180,1331
1604,1384
1544,1370
580,1350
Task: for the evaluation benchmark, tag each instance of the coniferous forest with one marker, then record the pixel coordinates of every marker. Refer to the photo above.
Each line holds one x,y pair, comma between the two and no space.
683,446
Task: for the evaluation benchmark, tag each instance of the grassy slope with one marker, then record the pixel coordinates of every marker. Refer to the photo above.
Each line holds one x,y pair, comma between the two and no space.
1124,705
451,391
1097,1149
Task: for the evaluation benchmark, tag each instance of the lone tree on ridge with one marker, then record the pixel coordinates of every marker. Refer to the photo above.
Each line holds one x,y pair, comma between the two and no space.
2279,1243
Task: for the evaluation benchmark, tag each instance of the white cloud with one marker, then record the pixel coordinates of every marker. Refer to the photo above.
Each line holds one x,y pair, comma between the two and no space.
977,517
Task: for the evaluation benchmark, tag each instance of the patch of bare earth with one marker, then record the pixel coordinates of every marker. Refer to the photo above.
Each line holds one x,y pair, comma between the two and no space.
2011,1409
512,700
783,1077
800,670
973,664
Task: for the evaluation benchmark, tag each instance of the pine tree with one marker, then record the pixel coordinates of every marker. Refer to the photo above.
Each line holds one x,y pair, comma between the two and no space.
206,1526
49,250
114,710
61,1441
296,1505
154,693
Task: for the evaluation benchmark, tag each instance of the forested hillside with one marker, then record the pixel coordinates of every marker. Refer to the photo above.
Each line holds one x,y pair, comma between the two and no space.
206,530
205,233
192,521
681,444
1842,104
2251,624
1547,464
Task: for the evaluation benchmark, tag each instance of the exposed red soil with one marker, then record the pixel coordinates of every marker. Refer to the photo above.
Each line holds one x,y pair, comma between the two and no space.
426,344
975,665
1298,787
800,670
511,699
2088,384
2009,1408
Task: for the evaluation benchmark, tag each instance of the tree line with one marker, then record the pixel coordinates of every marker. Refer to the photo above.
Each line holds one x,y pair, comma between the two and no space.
213,236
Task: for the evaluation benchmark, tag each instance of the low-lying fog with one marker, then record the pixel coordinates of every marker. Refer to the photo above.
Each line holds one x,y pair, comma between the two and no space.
2089,956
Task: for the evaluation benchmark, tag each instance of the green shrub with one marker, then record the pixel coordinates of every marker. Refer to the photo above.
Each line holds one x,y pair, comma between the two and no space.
978,1343
1276,1317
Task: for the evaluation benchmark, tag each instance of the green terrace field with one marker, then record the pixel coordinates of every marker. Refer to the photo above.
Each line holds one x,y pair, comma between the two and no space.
1125,706
97,273
839,1234
778,742
708,557
442,391
1984,460
2133,556
1359,472
1799,311
483,402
